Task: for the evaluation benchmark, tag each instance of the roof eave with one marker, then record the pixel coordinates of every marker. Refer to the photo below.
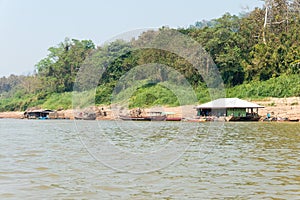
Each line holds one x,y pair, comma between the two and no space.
226,107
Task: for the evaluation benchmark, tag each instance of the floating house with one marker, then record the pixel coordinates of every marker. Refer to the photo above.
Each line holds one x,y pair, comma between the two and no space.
38,114
232,109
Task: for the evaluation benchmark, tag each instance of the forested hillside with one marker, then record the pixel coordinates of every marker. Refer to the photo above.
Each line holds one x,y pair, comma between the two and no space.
257,55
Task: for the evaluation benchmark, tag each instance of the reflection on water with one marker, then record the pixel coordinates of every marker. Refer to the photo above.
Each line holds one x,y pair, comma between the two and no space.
47,160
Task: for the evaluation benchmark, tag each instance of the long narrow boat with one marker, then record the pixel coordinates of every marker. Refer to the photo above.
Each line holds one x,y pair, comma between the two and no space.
151,116
142,118
131,118
293,120
246,118
171,116
173,119
86,116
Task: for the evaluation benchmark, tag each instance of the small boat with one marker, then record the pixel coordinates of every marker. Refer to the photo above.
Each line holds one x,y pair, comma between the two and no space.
278,119
43,118
246,118
129,118
172,117
143,118
137,116
293,120
85,116
156,116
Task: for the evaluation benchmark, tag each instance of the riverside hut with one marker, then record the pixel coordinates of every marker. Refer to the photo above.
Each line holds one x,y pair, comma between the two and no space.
232,109
37,114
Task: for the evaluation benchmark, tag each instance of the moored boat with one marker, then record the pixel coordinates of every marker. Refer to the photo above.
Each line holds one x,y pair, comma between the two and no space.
171,116
253,118
293,120
173,119
137,115
85,116
129,118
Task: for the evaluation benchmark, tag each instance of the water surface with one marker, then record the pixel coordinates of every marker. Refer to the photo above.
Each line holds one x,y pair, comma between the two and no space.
66,160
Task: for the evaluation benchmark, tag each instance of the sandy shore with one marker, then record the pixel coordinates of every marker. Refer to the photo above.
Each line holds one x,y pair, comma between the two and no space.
12,115
280,107
277,107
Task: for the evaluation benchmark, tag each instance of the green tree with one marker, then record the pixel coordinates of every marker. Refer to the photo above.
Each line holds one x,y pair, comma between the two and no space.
58,70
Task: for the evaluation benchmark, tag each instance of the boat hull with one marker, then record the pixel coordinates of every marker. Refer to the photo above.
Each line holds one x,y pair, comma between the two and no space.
173,119
146,118
244,119
126,118
85,118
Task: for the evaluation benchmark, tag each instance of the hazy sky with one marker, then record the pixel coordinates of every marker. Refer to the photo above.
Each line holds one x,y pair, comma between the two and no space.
29,27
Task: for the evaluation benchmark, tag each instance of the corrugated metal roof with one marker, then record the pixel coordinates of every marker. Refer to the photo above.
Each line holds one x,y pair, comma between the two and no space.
229,103
39,111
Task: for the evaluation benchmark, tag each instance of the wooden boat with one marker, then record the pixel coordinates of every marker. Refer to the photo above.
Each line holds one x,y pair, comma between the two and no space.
275,119
246,118
86,116
172,117
293,120
151,116
132,118
158,118
143,118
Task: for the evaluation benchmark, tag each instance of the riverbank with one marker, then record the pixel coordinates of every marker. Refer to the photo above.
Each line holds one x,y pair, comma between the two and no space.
12,115
280,107
277,107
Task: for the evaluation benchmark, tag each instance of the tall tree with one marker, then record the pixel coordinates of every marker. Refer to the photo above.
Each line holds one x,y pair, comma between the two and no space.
58,70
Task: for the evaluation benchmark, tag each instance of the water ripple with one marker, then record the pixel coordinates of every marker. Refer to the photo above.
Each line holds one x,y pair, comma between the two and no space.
47,160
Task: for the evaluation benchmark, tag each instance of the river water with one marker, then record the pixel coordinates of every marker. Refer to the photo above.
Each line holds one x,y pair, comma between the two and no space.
148,160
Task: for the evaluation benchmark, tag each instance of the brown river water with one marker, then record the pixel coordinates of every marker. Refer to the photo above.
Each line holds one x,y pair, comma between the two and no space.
41,159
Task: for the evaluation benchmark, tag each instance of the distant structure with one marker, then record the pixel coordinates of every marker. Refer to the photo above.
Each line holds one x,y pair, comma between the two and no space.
231,109
38,114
